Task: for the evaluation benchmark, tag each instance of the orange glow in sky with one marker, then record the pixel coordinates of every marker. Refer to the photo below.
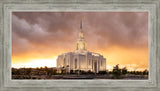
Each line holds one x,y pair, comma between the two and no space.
39,37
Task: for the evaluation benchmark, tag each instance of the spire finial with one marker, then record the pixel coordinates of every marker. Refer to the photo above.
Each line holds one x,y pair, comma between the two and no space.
81,24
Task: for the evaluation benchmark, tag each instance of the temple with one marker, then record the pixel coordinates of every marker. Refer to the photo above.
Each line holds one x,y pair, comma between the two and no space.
81,59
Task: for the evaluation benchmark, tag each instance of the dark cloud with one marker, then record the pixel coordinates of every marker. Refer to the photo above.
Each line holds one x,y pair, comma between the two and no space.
59,30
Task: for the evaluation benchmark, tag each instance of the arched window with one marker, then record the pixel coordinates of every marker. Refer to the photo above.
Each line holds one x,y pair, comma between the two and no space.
68,61
64,62
75,63
89,61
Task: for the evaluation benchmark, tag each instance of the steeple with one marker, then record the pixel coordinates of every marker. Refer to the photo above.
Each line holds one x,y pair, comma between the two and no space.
81,45
81,32
81,24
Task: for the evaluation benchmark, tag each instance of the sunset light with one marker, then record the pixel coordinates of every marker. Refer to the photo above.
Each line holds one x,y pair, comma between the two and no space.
38,38
37,63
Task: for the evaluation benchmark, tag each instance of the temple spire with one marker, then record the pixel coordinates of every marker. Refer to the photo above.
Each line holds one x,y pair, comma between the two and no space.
81,24
81,33
81,45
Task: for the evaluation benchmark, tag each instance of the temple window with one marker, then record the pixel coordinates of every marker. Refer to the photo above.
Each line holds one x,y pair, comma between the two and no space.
101,62
75,63
90,61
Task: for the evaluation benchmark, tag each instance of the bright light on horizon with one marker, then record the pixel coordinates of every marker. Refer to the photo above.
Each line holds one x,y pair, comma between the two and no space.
37,63
130,67
52,63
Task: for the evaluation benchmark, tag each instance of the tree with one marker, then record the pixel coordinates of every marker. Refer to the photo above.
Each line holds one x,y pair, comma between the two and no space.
28,71
71,72
102,72
37,68
41,68
63,70
54,72
145,72
46,69
124,70
13,71
116,71
67,69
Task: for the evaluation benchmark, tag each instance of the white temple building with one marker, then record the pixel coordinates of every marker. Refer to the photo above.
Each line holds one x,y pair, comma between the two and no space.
81,59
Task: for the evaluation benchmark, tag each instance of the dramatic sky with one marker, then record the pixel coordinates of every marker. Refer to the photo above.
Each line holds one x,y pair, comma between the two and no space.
39,37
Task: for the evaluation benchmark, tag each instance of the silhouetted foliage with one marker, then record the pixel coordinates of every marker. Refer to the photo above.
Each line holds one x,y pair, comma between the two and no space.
117,71
102,72
36,73
90,72
71,72
124,70
28,71
145,72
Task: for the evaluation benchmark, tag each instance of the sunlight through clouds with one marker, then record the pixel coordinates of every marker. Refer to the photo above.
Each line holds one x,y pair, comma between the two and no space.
121,37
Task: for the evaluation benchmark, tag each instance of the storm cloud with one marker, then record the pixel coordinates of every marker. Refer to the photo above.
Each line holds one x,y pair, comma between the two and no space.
121,37
60,30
